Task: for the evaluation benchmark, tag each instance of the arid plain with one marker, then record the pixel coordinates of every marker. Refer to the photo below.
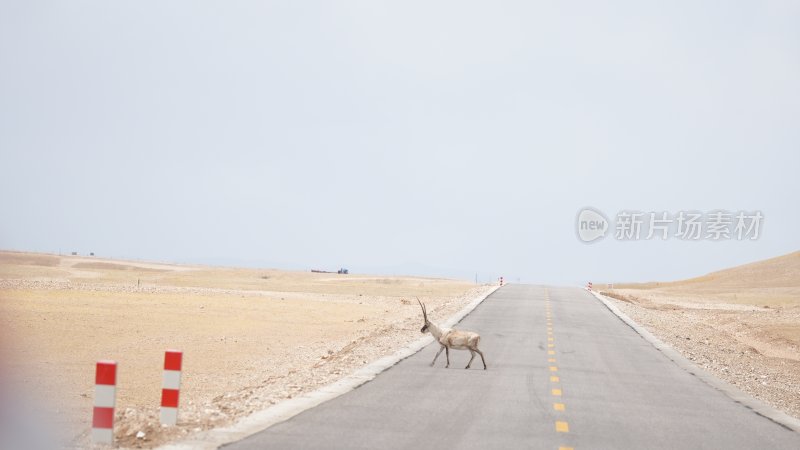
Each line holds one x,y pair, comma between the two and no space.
250,337
253,337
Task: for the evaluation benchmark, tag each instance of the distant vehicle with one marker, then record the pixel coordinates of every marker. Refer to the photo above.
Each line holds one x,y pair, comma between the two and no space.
341,271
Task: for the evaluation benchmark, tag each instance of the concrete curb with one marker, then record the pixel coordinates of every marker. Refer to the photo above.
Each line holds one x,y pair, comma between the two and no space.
285,410
757,406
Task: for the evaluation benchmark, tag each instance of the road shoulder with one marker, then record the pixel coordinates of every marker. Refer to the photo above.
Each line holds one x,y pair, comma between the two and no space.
731,391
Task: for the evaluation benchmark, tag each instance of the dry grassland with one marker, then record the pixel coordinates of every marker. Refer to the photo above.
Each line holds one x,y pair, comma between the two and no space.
250,337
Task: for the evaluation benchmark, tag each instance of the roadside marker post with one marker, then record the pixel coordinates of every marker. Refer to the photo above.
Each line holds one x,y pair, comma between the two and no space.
170,387
105,399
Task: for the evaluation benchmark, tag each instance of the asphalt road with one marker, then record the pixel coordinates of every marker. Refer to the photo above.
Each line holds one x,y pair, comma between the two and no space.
602,387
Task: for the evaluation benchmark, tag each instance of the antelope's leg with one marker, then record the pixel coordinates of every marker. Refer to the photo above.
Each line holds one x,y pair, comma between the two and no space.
437,355
447,353
470,360
484,361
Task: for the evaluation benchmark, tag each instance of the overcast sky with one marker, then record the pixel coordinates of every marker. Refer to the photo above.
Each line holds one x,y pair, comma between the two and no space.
415,136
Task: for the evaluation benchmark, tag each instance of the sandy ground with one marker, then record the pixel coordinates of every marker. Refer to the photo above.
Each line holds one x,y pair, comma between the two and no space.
250,338
741,324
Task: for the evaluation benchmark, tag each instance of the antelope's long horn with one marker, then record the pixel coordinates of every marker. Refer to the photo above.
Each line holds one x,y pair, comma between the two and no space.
424,313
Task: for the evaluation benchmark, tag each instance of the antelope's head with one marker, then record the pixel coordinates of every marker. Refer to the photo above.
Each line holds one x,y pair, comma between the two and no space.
424,328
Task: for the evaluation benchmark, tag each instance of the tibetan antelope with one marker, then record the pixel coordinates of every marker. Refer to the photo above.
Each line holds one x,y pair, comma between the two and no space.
449,338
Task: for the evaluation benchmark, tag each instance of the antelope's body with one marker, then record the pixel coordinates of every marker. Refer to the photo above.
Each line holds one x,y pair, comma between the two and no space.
449,338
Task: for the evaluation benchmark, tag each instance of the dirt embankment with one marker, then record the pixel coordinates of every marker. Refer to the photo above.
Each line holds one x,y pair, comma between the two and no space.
741,324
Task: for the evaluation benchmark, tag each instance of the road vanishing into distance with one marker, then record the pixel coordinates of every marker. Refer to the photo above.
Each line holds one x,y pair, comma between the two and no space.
564,372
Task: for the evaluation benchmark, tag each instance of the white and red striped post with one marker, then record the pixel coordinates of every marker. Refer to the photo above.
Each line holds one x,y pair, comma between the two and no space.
501,281
105,399
589,286
170,386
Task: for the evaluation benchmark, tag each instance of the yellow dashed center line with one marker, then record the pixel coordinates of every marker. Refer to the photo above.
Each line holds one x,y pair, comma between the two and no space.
561,426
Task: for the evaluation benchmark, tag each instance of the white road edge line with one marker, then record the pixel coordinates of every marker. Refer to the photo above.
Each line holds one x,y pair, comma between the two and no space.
730,390
285,410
